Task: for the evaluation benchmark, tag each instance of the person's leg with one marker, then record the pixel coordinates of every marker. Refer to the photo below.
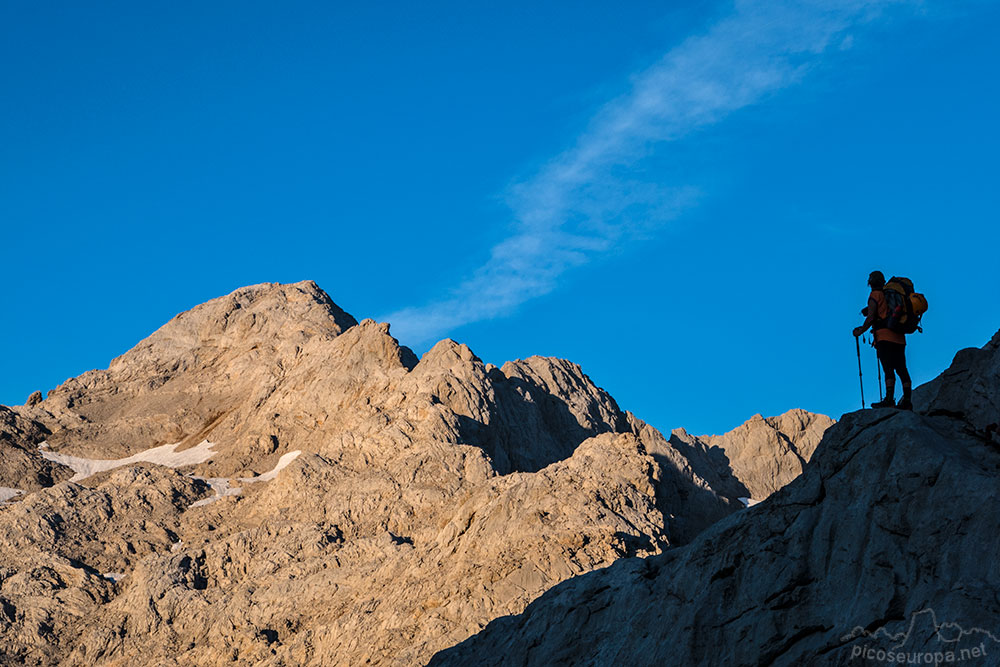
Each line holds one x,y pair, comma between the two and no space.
885,358
904,379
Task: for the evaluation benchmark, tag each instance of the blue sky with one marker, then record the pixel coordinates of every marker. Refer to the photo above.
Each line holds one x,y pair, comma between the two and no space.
685,199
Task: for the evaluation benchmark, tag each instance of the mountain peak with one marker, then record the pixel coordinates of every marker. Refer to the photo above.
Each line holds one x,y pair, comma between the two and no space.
184,376
259,312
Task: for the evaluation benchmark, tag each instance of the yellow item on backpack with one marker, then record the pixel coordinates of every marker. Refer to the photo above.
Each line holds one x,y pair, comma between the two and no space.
905,306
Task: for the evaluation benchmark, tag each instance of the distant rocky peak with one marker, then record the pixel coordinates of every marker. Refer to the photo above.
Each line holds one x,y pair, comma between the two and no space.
266,307
266,315
449,355
758,457
367,346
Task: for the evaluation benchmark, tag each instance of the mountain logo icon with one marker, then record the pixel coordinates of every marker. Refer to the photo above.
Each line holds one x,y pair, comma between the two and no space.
925,641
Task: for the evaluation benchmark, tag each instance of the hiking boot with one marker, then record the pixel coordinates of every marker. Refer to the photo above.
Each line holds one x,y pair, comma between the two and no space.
887,403
904,404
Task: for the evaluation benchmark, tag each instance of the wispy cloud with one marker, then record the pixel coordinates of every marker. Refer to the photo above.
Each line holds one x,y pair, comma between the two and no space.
591,198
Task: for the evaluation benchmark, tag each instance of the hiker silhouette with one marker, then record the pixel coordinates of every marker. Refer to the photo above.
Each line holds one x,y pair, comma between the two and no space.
890,344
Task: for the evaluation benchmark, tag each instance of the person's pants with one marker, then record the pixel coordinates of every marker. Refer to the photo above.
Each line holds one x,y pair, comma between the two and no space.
893,359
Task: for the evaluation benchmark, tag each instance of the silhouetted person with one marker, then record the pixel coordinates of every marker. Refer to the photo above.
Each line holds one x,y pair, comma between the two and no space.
890,345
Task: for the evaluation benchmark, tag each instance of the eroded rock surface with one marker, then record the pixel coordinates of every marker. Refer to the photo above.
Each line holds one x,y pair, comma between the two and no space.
887,541
22,467
419,499
758,457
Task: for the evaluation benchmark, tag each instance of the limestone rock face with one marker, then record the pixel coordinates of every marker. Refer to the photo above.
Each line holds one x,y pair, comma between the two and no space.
187,376
21,465
762,455
969,390
63,547
333,499
885,542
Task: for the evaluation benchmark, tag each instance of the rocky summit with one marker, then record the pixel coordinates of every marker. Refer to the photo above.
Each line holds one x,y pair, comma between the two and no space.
883,551
265,480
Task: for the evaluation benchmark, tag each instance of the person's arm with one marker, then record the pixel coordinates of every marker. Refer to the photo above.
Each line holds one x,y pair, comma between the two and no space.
872,315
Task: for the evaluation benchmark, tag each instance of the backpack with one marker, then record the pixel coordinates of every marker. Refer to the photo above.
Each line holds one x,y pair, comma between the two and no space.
906,307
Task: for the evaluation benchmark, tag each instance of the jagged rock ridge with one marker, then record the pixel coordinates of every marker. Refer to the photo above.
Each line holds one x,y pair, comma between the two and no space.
886,542
430,496
758,457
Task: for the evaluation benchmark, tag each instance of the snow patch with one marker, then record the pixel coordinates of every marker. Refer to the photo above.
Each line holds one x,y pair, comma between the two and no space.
114,576
224,488
6,493
271,474
165,455
748,502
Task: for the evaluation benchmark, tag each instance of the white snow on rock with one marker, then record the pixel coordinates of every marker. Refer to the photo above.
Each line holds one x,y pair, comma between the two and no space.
223,486
748,502
165,455
114,576
6,493
222,489
271,474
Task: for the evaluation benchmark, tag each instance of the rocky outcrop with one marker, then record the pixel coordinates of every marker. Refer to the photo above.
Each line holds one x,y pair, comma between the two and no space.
22,467
969,390
758,457
313,586
187,377
878,548
63,548
335,500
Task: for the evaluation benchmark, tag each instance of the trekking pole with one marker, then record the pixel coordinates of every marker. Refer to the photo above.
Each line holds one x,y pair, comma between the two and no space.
857,344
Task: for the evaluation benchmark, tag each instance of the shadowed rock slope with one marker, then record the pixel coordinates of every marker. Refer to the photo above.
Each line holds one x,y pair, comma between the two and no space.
887,542
348,504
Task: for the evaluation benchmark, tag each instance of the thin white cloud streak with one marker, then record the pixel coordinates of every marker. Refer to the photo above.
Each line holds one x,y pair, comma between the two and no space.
591,198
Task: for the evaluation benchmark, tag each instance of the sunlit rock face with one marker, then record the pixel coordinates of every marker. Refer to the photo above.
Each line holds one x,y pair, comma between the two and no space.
266,480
